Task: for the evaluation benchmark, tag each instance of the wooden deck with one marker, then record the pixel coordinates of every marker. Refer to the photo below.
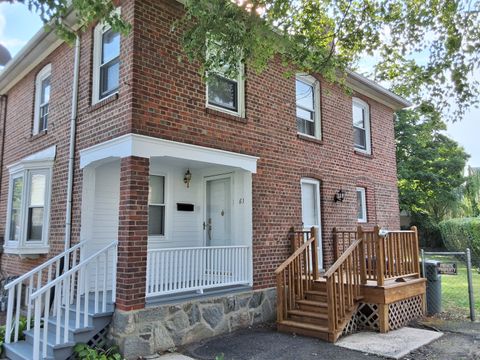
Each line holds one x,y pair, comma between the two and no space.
382,273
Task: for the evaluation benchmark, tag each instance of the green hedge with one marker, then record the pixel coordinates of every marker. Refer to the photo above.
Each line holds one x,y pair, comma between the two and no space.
459,234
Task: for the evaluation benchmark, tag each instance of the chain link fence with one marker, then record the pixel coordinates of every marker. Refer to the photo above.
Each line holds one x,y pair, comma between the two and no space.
453,284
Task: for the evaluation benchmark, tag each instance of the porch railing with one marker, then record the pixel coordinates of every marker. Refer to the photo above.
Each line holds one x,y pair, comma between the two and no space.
386,257
177,270
71,293
33,281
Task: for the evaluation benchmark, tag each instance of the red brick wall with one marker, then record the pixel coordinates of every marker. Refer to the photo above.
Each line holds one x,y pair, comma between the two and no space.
164,98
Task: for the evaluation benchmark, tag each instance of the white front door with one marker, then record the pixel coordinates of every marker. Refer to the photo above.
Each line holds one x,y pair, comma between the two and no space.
311,211
218,211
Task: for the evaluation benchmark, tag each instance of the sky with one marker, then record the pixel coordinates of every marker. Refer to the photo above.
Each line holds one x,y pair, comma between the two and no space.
18,25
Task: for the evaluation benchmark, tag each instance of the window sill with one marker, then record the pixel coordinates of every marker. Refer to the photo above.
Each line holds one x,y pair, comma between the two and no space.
33,250
103,102
364,154
309,138
226,115
38,135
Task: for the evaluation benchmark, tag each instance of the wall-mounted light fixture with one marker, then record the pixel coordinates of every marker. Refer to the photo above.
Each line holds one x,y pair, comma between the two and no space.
187,178
339,196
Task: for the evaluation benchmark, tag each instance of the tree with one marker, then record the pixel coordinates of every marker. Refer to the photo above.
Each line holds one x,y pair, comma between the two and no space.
430,169
427,50
471,195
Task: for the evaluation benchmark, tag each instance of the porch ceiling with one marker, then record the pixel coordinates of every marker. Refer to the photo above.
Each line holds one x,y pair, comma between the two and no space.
148,147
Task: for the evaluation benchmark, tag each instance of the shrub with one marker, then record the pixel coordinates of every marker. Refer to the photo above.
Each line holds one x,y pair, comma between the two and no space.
459,234
21,328
85,352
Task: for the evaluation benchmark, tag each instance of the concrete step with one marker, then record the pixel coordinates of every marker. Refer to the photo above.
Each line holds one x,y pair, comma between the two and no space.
21,350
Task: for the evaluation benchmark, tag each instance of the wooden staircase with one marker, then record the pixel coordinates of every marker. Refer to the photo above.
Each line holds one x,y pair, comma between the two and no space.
322,305
313,305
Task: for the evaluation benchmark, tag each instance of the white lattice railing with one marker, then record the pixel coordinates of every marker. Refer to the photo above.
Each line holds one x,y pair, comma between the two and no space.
30,282
81,290
178,270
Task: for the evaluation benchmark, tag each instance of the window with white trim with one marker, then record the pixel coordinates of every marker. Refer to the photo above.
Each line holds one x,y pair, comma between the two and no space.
307,91
361,205
156,206
106,62
28,208
42,99
310,203
226,94
361,125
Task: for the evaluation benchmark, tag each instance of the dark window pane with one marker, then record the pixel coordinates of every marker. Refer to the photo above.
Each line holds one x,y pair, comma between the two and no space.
156,220
305,127
360,138
35,224
16,208
222,92
109,78
110,46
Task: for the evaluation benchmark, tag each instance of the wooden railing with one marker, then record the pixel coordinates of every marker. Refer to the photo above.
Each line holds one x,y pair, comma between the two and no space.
398,255
296,275
344,280
387,257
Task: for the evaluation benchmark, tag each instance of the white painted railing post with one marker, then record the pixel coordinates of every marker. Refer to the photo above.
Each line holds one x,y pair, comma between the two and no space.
36,328
8,330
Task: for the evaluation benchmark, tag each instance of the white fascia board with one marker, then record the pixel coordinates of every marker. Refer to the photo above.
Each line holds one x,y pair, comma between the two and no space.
148,147
41,158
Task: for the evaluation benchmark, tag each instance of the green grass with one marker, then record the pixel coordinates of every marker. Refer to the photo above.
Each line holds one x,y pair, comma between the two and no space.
455,289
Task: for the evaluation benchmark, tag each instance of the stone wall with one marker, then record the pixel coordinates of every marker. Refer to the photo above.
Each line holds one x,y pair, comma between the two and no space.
161,327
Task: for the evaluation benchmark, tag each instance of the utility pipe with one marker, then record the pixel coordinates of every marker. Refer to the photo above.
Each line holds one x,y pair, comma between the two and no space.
71,153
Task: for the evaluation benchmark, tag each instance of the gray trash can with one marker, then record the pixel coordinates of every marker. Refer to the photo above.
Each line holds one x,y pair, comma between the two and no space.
434,287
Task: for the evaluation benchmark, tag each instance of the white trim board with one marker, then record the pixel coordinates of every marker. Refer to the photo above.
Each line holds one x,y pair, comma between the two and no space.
147,147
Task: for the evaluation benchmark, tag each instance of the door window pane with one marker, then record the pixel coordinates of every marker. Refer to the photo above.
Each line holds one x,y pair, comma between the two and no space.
16,208
361,205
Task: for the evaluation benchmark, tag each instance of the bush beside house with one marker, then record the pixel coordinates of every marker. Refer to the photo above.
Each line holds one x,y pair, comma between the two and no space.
462,233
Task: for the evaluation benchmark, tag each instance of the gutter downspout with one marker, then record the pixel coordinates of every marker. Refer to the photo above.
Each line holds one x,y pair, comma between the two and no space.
71,156
4,100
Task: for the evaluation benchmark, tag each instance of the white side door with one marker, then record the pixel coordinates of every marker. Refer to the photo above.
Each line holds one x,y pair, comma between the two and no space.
311,211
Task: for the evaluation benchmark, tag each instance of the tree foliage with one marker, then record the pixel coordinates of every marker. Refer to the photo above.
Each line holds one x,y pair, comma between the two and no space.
427,50
430,166
471,195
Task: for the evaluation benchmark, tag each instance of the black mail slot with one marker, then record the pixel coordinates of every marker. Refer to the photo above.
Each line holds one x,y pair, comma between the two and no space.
184,207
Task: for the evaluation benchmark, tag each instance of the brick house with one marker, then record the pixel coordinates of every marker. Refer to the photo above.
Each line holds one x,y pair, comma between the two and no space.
183,195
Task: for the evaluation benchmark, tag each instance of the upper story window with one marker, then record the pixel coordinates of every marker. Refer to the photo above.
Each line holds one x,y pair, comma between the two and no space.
42,99
361,126
361,205
226,94
106,62
28,204
308,105
156,206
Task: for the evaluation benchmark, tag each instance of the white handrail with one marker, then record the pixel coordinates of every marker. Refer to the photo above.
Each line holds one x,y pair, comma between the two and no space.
71,271
15,289
71,293
42,266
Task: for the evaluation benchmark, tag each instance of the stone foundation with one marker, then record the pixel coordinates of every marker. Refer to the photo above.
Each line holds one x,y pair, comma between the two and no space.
161,327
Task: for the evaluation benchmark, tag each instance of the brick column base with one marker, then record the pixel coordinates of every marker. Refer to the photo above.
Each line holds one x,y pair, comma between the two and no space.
132,233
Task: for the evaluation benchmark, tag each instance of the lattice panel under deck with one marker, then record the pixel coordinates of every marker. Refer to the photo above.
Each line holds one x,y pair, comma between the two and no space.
367,316
402,312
